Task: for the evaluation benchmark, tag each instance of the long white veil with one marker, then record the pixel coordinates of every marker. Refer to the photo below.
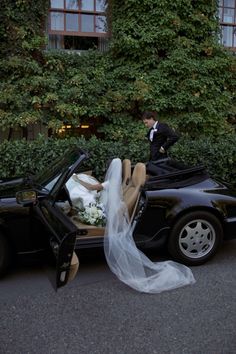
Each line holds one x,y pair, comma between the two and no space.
123,257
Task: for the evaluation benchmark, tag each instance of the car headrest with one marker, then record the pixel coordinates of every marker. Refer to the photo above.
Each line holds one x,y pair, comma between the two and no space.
126,172
139,174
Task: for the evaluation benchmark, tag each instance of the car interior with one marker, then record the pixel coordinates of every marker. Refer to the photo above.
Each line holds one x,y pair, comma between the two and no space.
134,178
132,181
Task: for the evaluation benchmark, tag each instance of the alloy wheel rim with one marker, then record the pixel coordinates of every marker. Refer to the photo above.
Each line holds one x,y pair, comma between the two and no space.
197,238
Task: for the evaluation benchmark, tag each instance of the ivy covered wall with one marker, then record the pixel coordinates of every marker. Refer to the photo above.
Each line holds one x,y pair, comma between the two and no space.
168,54
22,31
163,56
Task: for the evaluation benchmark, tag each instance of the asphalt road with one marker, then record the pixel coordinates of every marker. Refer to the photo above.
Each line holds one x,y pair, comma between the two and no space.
97,314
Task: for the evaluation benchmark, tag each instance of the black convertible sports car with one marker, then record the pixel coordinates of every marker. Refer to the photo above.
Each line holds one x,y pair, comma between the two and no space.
168,203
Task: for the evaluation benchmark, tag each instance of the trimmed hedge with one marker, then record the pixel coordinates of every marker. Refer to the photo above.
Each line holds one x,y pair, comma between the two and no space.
19,157
218,156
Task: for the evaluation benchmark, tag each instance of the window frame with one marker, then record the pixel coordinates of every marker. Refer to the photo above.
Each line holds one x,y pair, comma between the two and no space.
224,24
79,12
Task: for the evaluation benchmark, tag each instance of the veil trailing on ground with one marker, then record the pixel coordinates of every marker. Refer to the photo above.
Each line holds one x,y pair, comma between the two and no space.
123,257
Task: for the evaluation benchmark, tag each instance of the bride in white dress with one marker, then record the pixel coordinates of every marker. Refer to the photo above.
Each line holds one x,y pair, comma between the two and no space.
125,260
84,189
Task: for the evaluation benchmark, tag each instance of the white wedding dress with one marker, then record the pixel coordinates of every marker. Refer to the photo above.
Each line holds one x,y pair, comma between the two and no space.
80,196
123,257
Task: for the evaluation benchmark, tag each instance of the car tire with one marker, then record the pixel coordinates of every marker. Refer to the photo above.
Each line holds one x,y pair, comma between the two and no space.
195,238
4,255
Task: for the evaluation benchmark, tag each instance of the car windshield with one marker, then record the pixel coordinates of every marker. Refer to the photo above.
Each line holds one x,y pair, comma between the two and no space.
50,175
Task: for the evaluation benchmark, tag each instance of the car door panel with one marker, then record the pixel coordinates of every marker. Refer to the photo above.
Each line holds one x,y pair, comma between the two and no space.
62,237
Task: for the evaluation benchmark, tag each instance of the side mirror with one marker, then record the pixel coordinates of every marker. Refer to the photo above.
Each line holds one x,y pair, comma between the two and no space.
26,197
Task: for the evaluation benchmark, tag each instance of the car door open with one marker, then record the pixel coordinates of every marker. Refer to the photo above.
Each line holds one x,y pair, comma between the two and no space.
62,236
62,230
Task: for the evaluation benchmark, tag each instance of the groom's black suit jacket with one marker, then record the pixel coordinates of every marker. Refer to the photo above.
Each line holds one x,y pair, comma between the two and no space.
163,136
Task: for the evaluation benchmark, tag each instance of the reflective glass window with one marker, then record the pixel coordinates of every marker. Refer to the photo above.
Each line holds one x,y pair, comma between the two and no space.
228,15
87,5
79,16
57,21
72,4
57,4
227,36
72,22
87,23
229,3
100,5
56,41
101,24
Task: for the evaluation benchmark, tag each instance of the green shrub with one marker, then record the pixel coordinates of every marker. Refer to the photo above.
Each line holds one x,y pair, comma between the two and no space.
218,156
19,157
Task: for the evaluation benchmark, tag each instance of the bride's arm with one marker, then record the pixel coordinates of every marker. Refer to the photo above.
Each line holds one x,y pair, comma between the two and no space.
90,186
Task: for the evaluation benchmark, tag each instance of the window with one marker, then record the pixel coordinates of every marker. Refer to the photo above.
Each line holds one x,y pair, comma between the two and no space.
227,15
77,18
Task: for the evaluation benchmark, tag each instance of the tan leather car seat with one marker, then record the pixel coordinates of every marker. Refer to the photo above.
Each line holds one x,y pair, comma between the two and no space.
126,174
132,192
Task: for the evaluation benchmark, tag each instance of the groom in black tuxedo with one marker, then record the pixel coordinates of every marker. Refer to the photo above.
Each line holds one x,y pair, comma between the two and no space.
160,136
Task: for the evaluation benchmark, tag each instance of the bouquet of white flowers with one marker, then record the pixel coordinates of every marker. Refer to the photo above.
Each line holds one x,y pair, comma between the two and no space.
93,214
